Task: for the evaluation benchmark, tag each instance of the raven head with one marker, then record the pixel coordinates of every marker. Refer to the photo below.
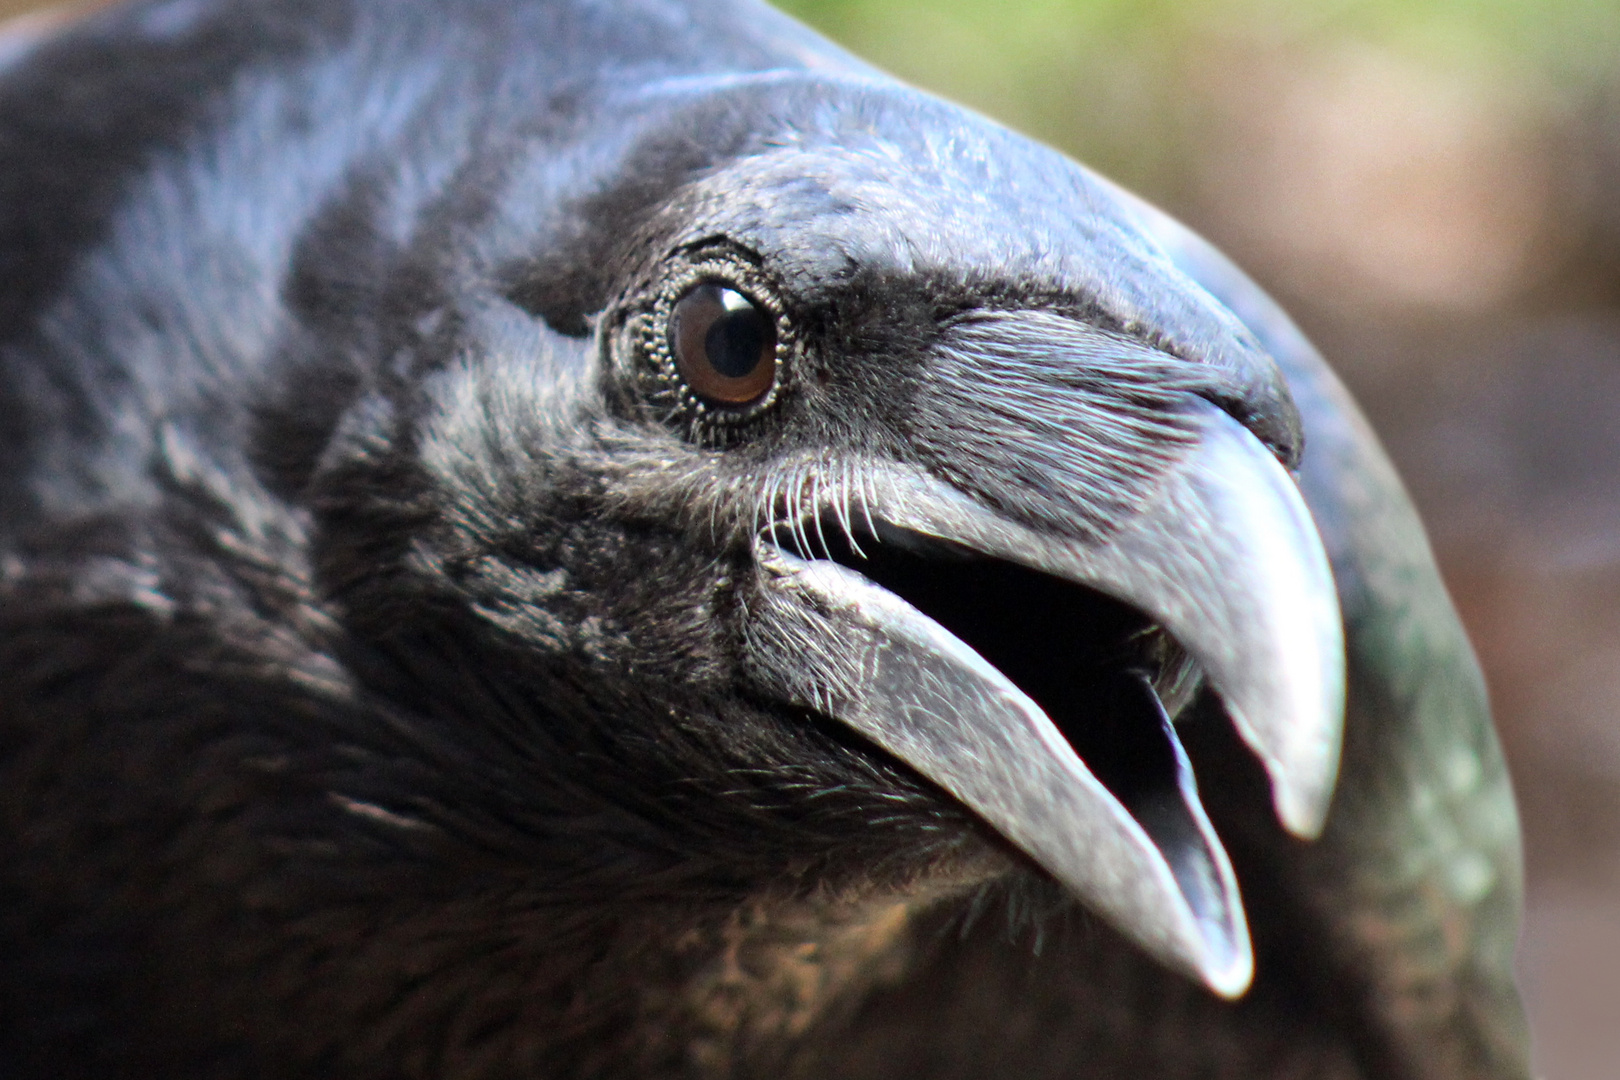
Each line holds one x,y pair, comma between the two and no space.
577,539
829,491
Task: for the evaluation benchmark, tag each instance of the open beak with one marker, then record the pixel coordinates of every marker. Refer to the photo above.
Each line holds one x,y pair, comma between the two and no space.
1036,679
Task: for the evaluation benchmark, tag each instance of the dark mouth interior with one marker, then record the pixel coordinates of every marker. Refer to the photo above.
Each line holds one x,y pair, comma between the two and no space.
1089,661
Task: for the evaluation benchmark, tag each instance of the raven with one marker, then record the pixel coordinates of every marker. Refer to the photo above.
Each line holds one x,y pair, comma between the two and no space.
552,538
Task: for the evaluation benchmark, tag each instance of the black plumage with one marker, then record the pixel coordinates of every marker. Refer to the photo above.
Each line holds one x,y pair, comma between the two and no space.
423,657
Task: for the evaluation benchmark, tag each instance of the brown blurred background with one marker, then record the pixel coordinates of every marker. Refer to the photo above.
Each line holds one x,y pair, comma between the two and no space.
1432,187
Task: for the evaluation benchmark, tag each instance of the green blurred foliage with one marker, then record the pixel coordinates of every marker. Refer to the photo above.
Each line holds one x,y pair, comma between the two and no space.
1119,82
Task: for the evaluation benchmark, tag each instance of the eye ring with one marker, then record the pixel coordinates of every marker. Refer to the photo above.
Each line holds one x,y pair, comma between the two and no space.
721,399
724,345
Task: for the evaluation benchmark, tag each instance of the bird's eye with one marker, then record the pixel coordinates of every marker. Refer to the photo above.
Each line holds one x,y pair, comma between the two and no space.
725,345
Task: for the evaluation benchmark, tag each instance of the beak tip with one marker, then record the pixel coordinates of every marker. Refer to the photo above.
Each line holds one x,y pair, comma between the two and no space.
1222,959
1303,814
1304,775
1234,980
1303,780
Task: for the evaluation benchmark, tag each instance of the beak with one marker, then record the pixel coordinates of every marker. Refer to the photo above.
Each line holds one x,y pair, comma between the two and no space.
1068,750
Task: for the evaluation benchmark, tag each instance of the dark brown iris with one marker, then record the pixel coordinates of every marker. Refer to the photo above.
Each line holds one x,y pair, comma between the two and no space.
725,345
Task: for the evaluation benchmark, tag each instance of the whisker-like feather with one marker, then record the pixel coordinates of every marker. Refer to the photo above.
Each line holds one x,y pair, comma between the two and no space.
841,501
816,507
796,509
868,497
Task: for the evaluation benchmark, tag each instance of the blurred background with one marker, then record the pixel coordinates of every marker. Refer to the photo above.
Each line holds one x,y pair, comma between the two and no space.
1432,187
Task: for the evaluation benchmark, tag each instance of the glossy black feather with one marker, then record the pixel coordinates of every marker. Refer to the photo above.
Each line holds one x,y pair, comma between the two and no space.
372,645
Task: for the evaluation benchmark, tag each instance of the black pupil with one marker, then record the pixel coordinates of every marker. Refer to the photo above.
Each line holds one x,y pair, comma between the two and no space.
735,344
